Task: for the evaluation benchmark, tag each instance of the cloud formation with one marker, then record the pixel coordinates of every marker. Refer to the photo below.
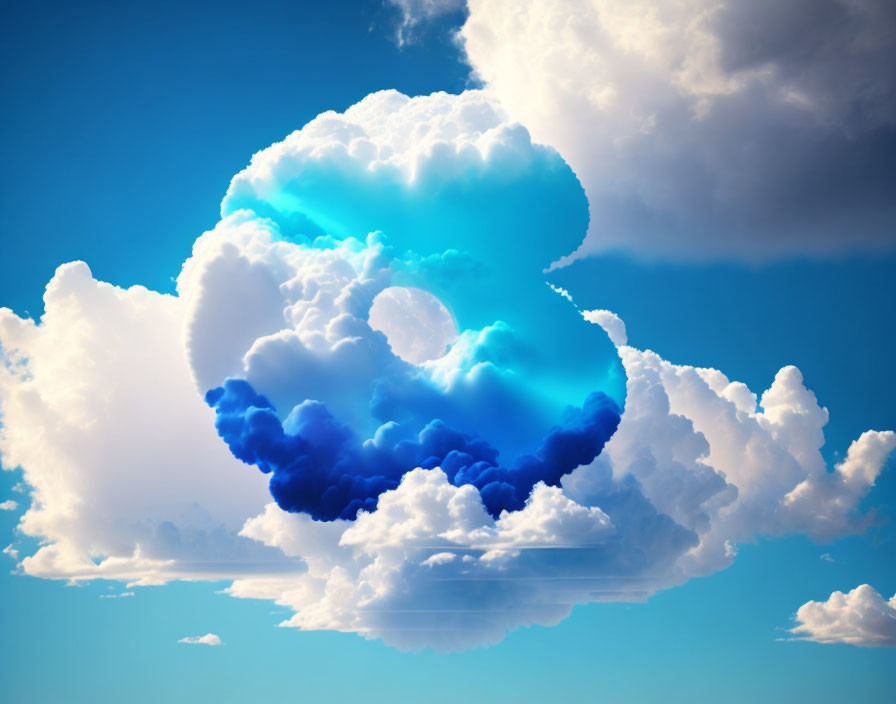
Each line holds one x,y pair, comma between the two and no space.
207,639
427,501
702,129
859,617
100,412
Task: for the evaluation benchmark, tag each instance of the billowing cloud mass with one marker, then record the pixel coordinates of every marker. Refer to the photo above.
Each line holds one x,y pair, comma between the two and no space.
707,128
128,479
860,617
442,472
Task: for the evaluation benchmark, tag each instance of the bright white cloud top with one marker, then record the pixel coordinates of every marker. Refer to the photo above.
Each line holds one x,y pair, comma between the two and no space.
859,617
102,402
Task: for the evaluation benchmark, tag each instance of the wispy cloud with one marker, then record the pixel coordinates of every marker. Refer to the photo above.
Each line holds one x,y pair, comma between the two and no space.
860,617
207,639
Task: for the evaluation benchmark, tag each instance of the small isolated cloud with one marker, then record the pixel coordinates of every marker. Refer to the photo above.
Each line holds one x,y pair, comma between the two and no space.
860,617
123,595
827,557
439,558
11,551
415,13
9,505
207,639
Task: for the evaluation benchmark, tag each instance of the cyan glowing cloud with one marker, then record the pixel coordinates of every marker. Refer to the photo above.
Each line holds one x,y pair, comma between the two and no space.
452,186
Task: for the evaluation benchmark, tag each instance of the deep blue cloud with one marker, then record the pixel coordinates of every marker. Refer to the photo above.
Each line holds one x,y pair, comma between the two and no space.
320,467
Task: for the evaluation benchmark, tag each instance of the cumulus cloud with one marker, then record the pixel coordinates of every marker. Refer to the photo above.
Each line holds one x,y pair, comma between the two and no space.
859,617
9,505
429,501
207,639
100,412
730,465
707,129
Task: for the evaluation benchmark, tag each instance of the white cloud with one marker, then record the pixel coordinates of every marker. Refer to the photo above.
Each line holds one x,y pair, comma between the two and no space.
431,568
859,617
610,322
207,639
709,456
11,551
707,128
99,411
9,505
439,558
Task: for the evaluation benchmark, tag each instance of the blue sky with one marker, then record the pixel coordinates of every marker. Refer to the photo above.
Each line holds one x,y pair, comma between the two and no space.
124,127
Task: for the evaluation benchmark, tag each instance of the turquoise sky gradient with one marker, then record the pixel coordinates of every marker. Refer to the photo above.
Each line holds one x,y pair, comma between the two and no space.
123,128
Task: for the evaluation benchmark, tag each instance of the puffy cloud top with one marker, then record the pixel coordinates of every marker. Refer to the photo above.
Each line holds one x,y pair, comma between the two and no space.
859,617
